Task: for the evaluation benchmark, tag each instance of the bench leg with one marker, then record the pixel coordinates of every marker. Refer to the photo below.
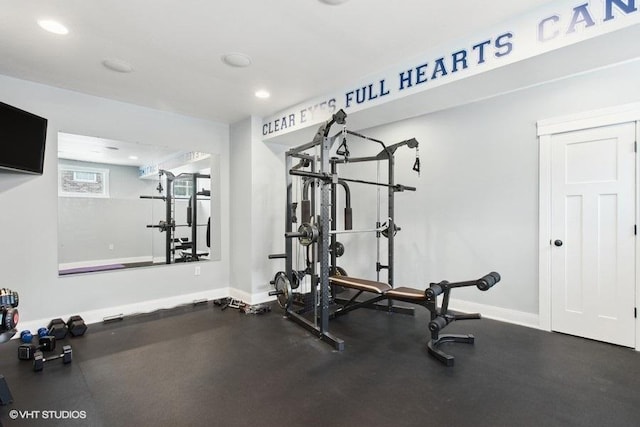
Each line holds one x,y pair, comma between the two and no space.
443,357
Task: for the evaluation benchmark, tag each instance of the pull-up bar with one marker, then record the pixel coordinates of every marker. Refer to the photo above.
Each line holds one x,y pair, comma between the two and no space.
329,177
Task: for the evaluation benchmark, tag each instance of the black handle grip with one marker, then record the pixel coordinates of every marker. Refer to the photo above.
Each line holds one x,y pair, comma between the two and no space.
277,256
348,219
274,293
487,282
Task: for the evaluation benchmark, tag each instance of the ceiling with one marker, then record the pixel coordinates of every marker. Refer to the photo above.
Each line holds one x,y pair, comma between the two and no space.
109,151
300,49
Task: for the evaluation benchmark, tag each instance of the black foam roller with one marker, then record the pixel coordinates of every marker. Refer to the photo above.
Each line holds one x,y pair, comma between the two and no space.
433,290
437,324
486,282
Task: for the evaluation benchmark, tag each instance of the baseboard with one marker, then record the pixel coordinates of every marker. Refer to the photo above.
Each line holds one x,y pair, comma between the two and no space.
515,317
97,316
250,299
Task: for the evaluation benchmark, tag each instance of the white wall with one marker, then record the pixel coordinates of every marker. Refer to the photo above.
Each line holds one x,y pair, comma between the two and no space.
257,209
476,208
240,206
29,261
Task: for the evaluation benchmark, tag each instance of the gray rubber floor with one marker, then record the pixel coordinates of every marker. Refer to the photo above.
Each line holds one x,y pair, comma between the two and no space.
206,367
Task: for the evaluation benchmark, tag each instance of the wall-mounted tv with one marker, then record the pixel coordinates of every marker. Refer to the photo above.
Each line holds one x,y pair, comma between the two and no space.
22,140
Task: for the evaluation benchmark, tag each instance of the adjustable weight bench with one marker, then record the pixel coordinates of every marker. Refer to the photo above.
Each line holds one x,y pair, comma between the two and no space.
440,317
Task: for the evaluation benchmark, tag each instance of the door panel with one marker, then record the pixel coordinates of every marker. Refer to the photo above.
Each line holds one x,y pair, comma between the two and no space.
593,214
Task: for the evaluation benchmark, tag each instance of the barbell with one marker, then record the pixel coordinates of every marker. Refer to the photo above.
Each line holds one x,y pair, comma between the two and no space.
308,234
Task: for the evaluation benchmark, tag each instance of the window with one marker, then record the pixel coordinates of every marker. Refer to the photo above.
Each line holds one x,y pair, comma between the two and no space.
182,188
79,181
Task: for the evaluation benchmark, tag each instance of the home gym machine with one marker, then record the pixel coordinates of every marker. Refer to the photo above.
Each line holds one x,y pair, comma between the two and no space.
318,235
318,232
188,249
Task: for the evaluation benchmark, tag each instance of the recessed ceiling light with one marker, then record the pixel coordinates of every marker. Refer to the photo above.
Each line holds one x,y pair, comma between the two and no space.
118,65
133,157
334,2
262,94
53,26
235,59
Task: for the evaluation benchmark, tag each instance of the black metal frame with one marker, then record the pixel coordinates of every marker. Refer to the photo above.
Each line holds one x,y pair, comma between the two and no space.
324,172
169,217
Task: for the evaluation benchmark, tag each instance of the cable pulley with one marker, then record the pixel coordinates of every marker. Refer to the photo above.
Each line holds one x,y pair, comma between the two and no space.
385,230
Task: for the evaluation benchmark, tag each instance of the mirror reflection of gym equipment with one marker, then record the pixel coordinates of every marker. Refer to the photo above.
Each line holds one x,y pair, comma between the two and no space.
312,303
185,186
102,219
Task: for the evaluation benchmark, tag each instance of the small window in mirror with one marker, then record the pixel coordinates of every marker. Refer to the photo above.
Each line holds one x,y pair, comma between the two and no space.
76,181
183,188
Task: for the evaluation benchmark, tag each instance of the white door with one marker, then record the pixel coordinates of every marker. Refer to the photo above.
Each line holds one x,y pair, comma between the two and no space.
593,233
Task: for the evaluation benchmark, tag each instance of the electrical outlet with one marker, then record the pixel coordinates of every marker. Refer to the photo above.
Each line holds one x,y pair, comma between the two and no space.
111,246
197,271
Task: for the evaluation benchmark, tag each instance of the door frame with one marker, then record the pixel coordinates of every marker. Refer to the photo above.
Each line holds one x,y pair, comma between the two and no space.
546,129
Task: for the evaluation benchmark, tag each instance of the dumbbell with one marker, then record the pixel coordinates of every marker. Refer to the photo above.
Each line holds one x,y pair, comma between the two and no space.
57,328
26,336
76,326
27,351
39,360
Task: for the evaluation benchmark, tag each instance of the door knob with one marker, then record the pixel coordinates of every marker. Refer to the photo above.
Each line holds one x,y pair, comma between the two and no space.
558,243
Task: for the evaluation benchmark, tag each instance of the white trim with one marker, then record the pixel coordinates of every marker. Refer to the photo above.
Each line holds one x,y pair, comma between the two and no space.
544,238
97,316
546,128
250,299
590,119
529,320
637,239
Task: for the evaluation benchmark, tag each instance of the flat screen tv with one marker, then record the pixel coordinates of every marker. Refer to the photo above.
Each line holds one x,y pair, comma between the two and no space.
22,140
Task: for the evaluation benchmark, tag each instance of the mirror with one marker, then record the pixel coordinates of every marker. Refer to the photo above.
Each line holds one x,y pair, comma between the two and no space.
123,205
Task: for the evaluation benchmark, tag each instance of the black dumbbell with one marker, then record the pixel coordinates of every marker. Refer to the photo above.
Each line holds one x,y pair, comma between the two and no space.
27,351
39,360
76,326
57,328
47,343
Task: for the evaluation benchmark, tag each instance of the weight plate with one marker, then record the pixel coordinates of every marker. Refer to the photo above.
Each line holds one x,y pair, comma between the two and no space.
310,234
283,286
296,278
341,271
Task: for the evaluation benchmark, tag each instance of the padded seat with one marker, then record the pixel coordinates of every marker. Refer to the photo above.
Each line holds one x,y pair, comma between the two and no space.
360,284
406,293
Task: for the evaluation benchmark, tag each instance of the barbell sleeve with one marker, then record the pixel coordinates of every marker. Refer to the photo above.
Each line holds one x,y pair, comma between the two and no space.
486,282
294,234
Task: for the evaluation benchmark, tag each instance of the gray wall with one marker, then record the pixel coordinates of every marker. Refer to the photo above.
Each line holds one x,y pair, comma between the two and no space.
30,204
476,208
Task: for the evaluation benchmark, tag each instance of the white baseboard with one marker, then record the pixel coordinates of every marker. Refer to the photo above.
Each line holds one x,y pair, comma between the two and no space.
521,318
96,316
250,299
